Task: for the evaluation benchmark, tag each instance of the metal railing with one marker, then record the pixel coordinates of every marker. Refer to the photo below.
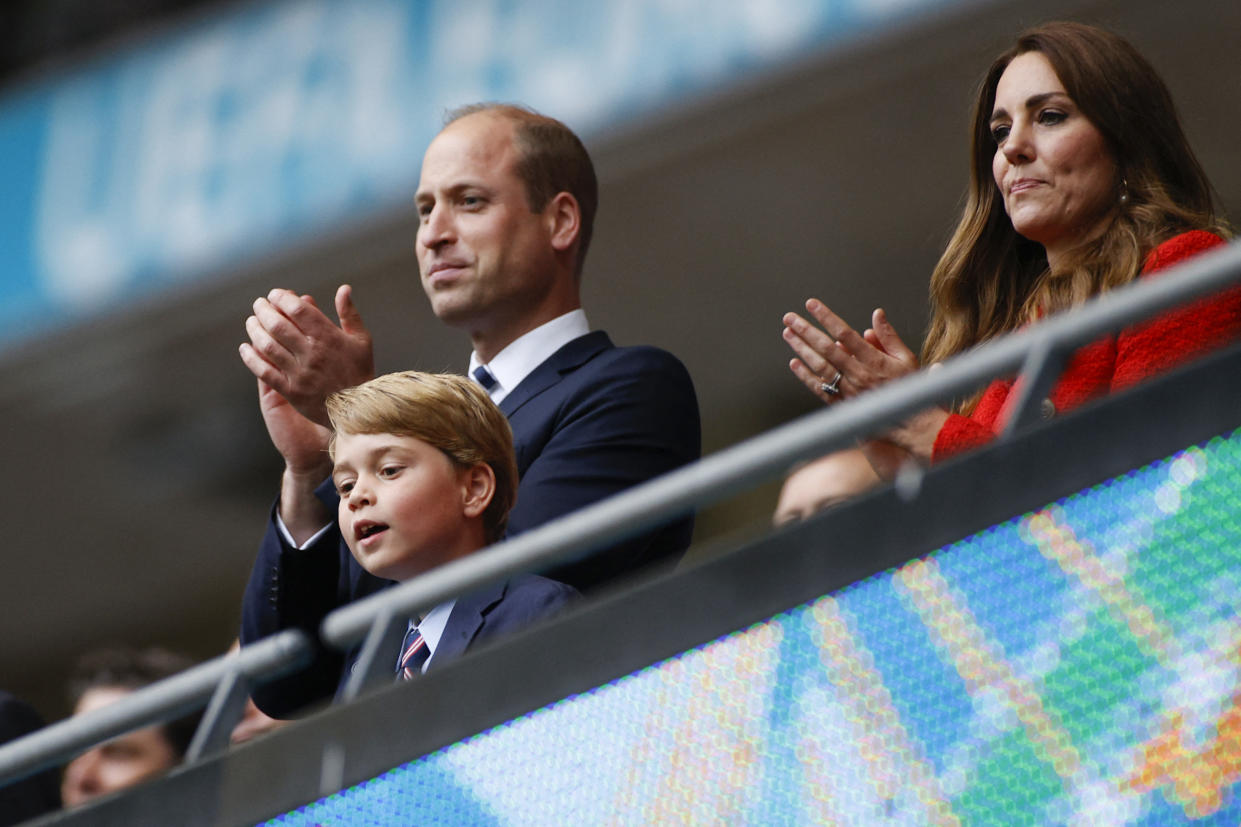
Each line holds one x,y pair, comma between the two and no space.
379,621
1039,352
221,685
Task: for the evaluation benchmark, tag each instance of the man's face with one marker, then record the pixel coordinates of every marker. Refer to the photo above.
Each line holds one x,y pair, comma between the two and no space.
486,260
404,506
119,763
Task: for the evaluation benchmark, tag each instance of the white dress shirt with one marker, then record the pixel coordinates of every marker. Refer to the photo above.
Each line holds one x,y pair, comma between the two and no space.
527,352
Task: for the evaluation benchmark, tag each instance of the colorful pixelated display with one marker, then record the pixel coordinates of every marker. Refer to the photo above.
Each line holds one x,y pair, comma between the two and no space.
1077,665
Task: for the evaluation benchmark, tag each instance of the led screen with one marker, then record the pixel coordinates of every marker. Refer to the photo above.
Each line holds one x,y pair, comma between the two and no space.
1080,664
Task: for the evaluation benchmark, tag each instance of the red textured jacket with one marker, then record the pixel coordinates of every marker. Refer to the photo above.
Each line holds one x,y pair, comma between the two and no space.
1117,361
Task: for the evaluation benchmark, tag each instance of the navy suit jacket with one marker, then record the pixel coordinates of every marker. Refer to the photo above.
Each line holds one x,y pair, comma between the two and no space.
493,612
591,420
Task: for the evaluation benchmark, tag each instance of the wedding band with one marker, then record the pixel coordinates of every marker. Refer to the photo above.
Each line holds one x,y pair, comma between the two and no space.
832,388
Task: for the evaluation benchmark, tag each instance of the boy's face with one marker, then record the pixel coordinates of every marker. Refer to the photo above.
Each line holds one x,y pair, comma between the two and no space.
404,506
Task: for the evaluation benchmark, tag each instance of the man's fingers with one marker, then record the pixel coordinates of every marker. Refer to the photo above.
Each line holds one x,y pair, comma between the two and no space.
263,371
277,323
268,346
285,301
304,318
350,318
289,317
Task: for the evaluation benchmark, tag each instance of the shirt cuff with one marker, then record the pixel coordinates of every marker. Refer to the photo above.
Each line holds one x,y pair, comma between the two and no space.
288,538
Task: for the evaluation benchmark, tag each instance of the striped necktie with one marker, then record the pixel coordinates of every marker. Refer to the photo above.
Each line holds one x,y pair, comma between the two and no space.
484,377
414,653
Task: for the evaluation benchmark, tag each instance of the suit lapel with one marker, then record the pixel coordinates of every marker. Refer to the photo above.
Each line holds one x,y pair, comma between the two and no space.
569,358
467,617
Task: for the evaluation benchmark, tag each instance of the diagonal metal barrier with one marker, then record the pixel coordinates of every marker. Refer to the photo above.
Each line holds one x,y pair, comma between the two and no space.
211,684
377,621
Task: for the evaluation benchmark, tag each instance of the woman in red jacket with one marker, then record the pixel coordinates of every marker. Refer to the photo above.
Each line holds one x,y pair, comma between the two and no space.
1081,181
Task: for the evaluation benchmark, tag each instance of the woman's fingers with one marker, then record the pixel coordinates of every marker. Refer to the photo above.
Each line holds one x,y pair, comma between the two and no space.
836,327
814,381
809,333
889,340
864,360
824,364
823,314
812,345
868,351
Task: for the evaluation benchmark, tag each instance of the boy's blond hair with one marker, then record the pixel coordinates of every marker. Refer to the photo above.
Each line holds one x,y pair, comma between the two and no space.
444,410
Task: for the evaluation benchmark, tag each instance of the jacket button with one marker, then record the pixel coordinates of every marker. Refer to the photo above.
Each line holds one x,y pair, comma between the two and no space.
1047,409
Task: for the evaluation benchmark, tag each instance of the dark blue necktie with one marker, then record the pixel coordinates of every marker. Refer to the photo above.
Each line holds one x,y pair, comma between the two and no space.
484,377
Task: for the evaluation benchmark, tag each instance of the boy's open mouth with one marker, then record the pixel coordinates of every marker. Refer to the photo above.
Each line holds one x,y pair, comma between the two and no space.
365,530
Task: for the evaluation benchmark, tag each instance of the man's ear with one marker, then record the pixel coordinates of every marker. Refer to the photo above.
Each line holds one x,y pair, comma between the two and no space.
564,219
478,486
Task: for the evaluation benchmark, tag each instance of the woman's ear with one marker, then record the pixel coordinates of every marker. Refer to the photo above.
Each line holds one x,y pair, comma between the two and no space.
478,486
564,217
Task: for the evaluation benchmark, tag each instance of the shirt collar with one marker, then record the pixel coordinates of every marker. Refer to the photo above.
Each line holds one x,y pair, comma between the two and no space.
528,351
432,627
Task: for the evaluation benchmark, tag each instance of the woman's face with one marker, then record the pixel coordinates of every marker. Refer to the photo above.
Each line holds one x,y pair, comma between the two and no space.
1052,166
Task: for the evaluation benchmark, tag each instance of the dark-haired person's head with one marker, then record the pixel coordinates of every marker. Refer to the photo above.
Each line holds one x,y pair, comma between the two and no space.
105,676
1079,168
506,203
551,159
1081,181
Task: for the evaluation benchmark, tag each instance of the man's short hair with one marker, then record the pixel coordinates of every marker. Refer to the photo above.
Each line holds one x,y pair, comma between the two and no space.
124,667
444,410
551,160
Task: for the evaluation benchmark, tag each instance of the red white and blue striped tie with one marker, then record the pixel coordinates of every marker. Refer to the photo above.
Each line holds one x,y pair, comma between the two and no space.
414,653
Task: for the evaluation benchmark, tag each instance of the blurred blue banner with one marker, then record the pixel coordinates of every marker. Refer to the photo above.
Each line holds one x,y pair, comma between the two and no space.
190,152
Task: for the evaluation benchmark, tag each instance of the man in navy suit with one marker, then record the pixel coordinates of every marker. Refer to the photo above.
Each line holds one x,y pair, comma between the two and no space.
506,202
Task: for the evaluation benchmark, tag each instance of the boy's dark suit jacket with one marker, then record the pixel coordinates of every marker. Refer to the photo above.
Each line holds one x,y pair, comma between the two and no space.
591,420
491,612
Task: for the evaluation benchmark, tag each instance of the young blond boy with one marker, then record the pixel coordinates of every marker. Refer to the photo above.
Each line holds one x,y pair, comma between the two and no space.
426,474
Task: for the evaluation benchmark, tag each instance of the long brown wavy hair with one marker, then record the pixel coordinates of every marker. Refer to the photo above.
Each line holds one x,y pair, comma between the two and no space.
990,280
